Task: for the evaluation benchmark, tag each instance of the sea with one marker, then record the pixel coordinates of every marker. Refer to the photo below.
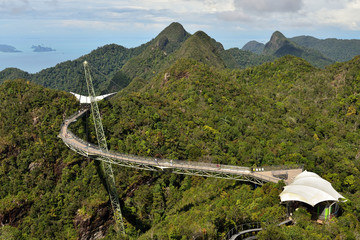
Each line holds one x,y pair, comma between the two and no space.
32,62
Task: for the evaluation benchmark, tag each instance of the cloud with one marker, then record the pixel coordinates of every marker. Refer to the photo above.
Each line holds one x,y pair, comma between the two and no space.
76,17
14,6
237,15
264,6
346,15
263,14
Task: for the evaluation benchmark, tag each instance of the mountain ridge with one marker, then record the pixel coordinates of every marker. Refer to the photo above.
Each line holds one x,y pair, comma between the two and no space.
339,50
115,66
279,46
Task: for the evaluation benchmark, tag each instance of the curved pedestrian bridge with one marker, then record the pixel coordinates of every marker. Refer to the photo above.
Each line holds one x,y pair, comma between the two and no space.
258,175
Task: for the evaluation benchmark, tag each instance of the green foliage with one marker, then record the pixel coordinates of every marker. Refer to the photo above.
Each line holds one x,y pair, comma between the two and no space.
254,46
42,183
281,112
259,116
69,75
338,50
279,46
12,73
236,58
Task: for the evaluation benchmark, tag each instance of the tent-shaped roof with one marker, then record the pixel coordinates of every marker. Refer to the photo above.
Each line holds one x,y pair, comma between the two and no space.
310,188
87,99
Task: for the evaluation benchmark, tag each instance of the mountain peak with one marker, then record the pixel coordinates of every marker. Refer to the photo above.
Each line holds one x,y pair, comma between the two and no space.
203,48
253,46
277,35
174,32
277,40
279,46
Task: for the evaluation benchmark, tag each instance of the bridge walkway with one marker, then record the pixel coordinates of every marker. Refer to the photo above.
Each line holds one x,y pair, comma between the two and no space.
257,176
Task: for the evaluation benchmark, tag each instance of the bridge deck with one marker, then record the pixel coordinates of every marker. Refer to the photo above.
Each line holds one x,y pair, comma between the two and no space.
258,176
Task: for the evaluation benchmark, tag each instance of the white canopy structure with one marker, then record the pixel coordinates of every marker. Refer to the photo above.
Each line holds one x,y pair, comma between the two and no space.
87,99
310,188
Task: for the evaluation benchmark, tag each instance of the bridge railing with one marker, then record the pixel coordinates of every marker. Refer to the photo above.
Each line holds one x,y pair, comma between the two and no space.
254,225
166,163
283,167
92,149
76,114
161,162
150,160
242,227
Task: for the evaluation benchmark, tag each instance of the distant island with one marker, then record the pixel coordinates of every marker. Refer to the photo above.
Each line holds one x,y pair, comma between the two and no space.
8,48
40,48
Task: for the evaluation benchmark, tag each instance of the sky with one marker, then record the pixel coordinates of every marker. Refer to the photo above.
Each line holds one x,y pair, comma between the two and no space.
76,27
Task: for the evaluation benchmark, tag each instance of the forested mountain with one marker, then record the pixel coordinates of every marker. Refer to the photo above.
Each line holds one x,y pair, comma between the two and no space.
339,50
13,73
234,58
107,61
281,112
115,66
279,46
183,97
157,53
254,46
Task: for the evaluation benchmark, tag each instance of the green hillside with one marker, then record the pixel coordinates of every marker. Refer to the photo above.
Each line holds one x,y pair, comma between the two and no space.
13,73
201,47
254,46
155,59
42,183
339,50
279,46
235,58
158,53
115,66
281,112
69,75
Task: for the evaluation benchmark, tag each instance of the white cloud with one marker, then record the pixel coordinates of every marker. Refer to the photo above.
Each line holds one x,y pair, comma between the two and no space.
14,6
208,15
264,6
346,16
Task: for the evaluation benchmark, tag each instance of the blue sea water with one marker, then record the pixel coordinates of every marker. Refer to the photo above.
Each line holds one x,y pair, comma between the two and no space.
33,62
67,48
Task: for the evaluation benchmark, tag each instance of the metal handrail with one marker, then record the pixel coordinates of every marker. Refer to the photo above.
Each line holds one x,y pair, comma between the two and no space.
245,226
251,225
92,149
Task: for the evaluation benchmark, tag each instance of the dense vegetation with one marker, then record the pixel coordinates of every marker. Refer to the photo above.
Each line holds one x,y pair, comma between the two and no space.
339,50
254,46
280,46
282,112
235,58
44,187
107,61
13,73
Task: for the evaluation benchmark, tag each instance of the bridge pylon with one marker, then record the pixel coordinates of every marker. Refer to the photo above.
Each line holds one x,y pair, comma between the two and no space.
105,165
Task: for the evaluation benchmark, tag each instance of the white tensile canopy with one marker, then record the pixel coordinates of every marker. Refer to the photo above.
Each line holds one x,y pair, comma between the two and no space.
310,188
86,99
